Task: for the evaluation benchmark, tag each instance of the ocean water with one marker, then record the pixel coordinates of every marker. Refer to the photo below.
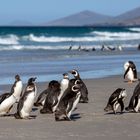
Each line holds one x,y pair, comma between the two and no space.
44,52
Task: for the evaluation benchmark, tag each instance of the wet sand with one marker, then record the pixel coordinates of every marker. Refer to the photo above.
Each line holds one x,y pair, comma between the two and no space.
90,121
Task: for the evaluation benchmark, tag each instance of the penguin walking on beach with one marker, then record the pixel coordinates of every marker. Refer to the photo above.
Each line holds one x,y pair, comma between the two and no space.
84,90
52,97
7,100
115,100
134,104
63,86
68,102
130,71
26,102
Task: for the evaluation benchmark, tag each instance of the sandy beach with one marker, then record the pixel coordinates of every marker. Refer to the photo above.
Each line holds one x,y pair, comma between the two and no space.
91,122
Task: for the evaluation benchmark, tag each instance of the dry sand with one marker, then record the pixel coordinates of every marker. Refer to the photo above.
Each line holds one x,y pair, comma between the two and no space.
91,122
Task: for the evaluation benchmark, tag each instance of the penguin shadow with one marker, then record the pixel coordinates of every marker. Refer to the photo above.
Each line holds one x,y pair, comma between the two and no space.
32,117
7,115
117,113
75,116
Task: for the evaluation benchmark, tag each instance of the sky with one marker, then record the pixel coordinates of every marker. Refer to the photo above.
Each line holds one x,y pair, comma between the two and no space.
42,11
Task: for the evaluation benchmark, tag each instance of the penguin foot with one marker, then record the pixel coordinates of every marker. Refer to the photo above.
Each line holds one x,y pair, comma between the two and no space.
45,111
129,109
17,116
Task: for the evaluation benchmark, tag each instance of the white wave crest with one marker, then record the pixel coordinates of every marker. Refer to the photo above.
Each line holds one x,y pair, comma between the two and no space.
9,40
98,36
118,35
135,29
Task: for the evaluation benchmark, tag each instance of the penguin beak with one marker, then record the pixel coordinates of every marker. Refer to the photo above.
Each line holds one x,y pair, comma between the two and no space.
34,78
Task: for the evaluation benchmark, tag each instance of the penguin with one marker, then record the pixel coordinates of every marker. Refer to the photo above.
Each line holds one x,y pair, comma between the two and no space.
84,90
134,104
63,86
7,100
115,100
52,97
68,103
130,71
17,88
26,102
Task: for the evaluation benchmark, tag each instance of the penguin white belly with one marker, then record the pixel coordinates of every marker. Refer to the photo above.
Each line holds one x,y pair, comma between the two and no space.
43,102
18,90
137,106
74,104
6,104
130,75
27,105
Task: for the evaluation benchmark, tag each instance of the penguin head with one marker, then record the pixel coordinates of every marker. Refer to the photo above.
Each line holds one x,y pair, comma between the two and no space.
17,77
75,73
65,76
32,80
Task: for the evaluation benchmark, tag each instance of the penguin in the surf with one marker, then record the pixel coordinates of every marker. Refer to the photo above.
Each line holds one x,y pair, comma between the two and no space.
134,104
84,90
51,98
130,71
7,100
68,102
115,100
26,102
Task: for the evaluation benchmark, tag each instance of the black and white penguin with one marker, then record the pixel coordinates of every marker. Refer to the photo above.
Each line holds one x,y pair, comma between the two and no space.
68,102
130,71
115,100
84,90
7,100
63,86
52,97
134,104
26,102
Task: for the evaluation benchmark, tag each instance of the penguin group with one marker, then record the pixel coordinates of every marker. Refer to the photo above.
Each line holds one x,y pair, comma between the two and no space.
119,95
62,97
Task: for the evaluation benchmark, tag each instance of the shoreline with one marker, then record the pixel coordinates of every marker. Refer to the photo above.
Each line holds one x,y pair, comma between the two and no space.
91,122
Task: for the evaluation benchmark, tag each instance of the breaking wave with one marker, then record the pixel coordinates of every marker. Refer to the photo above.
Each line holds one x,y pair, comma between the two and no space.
134,29
9,40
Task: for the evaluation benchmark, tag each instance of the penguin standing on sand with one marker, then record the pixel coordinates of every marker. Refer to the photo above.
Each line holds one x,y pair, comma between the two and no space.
63,86
115,100
68,102
130,71
7,100
84,90
52,97
26,102
134,104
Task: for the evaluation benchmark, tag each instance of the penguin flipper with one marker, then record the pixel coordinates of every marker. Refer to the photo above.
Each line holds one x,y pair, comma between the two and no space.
4,96
136,101
121,104
126,72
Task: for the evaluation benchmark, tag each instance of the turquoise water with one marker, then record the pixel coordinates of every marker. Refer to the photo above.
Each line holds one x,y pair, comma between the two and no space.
44,52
